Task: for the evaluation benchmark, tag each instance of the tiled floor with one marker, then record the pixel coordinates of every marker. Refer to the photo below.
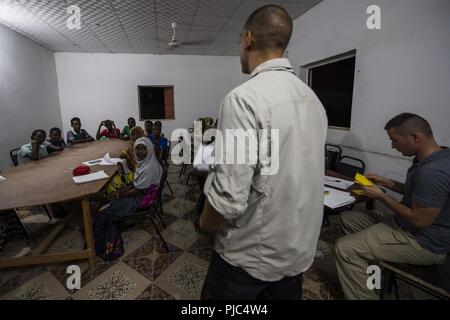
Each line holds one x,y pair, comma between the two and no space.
146,270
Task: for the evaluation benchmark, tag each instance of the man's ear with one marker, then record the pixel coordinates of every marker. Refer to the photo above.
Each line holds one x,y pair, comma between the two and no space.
248,39
416,137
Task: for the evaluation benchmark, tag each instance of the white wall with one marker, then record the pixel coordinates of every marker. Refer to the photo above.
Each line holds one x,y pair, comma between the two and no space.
404,67
98,86
28,91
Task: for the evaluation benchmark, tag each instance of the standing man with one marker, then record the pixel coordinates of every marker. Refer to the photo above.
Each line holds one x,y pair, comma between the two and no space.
267,226
418,232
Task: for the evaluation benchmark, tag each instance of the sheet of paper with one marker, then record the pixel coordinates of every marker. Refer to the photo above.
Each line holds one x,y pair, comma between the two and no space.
105,161
2,178
337,183
100,175
335,198
91,163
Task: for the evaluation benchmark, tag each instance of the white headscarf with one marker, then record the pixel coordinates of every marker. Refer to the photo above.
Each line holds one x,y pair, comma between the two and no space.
149,170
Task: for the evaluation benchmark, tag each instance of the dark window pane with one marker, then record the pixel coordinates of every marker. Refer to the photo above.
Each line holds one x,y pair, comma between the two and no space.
152,104
333,84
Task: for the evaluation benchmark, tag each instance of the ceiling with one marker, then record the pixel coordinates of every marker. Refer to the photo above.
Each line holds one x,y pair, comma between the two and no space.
138,26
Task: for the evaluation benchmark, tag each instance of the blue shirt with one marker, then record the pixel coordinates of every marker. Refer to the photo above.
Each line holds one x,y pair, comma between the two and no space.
428,183
161,144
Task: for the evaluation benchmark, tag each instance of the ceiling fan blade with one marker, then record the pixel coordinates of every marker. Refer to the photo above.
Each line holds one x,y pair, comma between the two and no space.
198,42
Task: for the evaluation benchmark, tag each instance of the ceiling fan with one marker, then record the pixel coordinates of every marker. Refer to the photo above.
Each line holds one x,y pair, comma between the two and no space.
174,43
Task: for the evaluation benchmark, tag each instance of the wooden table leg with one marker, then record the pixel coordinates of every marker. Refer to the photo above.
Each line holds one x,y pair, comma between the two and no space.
88,232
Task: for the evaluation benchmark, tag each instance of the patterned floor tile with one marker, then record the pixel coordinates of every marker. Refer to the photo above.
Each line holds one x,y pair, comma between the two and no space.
15,249
21,276
192,195
133,239
181,233
154,293
184,278
120,282
203,247
70,241
179,207
179,190
43,287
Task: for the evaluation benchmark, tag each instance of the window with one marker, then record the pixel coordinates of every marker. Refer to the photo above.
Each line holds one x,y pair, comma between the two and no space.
156,102
332,81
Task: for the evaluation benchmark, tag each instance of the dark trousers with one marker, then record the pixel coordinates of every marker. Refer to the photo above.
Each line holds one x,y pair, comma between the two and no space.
226,282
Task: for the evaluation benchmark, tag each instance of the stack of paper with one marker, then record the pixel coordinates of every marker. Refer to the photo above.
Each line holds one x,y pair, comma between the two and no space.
334,198
91,177
337,183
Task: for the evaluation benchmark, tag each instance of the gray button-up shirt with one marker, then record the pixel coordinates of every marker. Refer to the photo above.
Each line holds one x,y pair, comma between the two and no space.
273,220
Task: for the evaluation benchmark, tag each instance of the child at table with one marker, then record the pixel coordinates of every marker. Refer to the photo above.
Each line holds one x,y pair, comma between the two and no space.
55,141
35,150
126,132
107,233
77,135
110,132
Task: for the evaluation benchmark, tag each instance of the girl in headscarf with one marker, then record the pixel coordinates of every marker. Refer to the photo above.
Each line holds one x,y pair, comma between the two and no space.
128,153
108,238
122,179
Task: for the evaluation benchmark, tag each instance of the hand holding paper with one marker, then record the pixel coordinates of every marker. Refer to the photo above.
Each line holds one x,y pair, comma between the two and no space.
362,180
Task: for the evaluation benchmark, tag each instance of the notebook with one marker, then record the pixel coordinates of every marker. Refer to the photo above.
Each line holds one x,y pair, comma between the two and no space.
100,175
335,198
337,183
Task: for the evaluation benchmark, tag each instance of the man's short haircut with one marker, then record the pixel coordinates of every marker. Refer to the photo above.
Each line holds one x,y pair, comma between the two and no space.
407,123
55,129
158,124
271,26
74,119
131,118
149,121
35,132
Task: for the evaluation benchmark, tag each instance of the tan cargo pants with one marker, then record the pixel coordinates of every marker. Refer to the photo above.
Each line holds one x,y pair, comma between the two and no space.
373,235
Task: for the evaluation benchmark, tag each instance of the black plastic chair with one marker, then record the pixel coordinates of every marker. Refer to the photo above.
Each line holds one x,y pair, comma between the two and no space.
332,155
152,209
349,166
13,154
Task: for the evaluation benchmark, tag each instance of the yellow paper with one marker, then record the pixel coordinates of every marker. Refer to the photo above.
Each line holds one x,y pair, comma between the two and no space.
362,180
358,192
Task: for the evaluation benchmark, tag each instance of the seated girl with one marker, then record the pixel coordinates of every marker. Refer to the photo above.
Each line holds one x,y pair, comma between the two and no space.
122,179
107,233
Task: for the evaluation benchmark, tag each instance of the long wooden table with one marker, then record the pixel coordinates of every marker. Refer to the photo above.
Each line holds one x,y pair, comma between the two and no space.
49,180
